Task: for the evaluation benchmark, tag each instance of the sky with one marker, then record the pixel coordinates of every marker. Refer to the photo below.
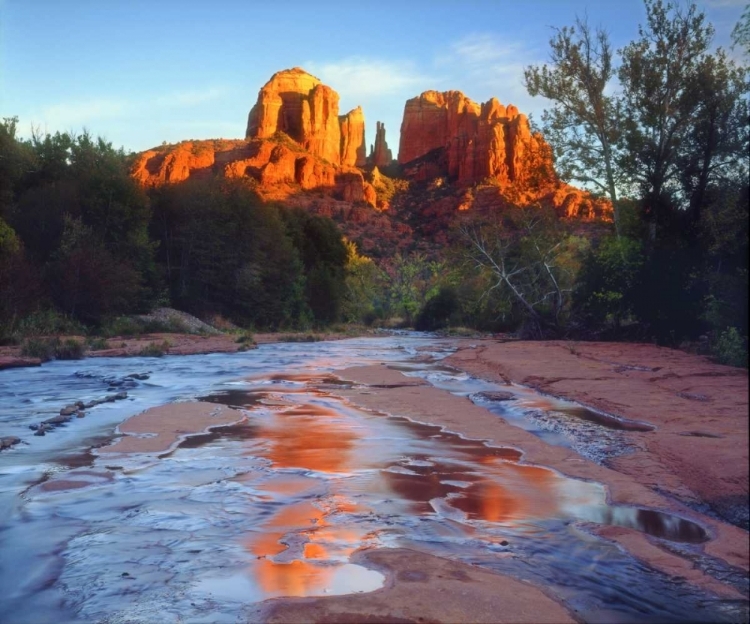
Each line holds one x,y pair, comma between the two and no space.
139,73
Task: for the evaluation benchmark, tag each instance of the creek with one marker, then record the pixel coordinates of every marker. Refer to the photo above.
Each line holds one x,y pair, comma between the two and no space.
276,504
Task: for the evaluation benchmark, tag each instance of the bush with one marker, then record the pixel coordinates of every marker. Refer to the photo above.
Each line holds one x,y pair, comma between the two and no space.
46,322
69,350
97,343
299,338
245,338
133,326
731,348
437,312
52,348
38,348
155,350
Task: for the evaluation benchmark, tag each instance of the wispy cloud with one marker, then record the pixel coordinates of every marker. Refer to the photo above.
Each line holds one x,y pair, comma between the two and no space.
65,114
360,77
486,65
76,113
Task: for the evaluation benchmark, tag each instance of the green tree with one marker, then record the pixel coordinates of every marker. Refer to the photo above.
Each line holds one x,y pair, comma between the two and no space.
741,32
533,259
364,300
660,76
583,125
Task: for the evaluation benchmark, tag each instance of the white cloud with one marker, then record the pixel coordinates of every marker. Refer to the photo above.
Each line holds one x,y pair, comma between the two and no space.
360,77
482,65
480,49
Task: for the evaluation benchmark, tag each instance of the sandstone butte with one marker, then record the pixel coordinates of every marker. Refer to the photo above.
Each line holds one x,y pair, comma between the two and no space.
446,134
296,140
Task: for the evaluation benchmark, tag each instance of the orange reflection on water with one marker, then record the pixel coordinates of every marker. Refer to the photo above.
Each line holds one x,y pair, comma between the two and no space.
302,575
310,437
517,491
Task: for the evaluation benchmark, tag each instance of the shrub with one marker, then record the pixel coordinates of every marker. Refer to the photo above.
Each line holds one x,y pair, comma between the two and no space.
437,312
52,348
245,338
155,350
69,349
731,348
38,348
97,343
46,322
299,338
133,326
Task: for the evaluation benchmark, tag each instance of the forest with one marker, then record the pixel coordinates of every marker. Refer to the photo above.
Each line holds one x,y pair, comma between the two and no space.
659,127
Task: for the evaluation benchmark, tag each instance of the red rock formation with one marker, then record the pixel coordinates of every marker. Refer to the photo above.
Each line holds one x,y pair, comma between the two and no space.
298,104
353,147
380,155
449,134
153,168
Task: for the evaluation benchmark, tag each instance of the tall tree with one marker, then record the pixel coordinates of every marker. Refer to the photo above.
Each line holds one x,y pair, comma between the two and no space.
715,146
583,124
660,76
741,31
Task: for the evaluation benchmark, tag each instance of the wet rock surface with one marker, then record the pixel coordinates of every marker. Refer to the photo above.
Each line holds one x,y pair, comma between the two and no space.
698,452
281,504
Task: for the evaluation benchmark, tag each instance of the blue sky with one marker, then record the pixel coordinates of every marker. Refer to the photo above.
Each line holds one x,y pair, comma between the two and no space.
142,72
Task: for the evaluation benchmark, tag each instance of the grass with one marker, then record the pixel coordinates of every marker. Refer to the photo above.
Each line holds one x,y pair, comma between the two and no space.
130,326
96,343
155,350
52,349
299,338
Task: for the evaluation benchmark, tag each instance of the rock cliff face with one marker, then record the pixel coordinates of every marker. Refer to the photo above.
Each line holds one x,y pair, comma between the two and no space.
298,104
450,135
353,146
294,136
297,141
380,155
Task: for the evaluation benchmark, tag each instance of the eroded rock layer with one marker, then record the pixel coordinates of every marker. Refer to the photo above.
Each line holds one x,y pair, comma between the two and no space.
446,133
454,155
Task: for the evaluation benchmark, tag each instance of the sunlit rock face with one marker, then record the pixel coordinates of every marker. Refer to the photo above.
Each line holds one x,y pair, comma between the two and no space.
298,104
474,141
380,155
353,150
295,140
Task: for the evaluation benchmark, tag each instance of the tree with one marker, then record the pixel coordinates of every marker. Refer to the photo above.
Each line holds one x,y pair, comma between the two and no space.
741,32
660,76
583,124
532,258
365,291
715,146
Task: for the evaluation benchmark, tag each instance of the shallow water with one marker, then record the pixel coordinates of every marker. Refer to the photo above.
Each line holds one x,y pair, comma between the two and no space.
275,505
593,434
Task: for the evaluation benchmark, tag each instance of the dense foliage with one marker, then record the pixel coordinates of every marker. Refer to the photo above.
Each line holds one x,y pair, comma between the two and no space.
80,240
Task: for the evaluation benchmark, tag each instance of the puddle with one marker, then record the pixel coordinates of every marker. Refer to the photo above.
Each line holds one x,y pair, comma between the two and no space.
595,435
276,506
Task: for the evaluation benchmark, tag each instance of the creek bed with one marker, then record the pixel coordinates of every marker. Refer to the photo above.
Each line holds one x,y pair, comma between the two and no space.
276,504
